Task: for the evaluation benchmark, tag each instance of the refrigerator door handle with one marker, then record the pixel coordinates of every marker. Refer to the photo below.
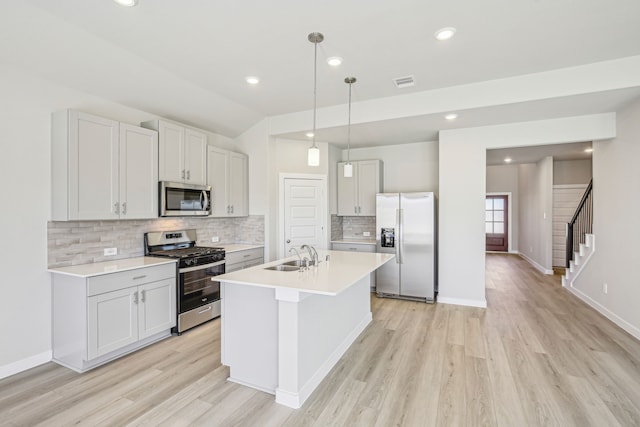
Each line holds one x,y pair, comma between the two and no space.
401,235
397,238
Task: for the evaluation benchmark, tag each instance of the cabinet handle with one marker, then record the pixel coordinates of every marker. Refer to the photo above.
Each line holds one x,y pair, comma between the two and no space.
116,208
135,297
188,175
353,249
355,209
231,208
140,277
124,208
205,310
247,255
182,173
228,209
144,295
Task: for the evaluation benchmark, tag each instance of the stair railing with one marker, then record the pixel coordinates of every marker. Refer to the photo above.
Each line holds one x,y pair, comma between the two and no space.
581,224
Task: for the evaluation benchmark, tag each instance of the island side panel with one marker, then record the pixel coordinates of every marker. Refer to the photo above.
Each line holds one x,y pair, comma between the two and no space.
249,335
314,334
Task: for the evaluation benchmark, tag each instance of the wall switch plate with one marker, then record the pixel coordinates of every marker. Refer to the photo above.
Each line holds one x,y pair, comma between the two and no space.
605,288
215,239
366,234
110,251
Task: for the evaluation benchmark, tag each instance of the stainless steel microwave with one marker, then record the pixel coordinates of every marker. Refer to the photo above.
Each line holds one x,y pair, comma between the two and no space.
179,199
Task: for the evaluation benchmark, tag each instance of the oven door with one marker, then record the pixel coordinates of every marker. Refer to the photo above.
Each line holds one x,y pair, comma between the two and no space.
196,287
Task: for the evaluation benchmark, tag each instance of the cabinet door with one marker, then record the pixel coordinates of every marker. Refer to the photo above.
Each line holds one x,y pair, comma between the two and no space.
113,321
195,157
157,307
171,152
217,175
347,198
138,172
238,184
93,167
368,173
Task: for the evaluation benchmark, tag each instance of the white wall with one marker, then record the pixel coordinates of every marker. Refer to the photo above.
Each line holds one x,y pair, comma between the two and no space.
407,167
25,131
616,186
504,179
462,178
567,172
535,215
25,123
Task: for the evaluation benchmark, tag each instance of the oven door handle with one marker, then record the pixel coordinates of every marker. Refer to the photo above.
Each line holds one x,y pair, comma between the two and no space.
201,267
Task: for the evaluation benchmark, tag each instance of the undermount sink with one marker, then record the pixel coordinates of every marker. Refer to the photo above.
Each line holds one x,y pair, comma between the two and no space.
296,263
283,267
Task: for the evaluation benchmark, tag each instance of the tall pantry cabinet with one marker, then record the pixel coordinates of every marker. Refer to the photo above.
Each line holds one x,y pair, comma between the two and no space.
102,169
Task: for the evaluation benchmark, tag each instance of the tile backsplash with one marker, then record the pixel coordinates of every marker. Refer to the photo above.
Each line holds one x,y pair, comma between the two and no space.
355,226
83,242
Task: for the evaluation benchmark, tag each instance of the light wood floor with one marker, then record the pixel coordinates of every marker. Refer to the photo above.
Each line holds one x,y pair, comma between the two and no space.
535,356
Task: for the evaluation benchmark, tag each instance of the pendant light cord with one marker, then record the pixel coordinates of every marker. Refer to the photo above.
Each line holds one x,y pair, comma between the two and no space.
349,128
315,86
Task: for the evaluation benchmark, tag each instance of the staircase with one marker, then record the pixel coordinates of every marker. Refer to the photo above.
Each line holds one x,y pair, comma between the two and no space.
580,237
580,258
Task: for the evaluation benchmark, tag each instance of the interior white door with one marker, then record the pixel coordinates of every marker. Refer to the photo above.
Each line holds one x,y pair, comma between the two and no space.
304,214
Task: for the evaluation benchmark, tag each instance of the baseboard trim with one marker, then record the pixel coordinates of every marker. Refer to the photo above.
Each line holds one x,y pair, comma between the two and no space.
24,364
462,301
628,327
537,266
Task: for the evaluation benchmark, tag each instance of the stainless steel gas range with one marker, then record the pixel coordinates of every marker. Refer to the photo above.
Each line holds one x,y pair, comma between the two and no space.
198,295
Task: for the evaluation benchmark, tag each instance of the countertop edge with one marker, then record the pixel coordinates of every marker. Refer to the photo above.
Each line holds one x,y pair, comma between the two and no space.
110,267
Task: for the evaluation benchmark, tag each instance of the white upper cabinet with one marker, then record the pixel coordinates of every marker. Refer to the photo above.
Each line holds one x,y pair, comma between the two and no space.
227,174
183,152
102,169
357,195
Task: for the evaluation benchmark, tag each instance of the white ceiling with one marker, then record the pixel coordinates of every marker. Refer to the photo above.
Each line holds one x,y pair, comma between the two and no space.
187,59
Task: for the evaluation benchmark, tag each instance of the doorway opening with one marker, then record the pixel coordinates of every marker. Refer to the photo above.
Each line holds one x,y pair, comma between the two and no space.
497,223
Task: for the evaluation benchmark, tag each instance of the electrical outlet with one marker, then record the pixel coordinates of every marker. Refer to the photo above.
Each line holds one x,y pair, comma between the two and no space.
110,251
215,239
605,288
366,234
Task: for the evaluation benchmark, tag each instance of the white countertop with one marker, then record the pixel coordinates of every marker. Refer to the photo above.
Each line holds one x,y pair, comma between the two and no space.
343,270
106,267
232,247
354,240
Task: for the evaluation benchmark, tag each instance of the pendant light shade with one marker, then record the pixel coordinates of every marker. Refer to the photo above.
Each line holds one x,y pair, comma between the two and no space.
348,167
313,155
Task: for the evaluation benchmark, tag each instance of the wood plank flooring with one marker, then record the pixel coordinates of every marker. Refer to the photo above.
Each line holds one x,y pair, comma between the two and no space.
537,356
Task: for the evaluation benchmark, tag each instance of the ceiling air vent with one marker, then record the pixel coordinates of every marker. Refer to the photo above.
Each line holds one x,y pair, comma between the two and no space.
402,82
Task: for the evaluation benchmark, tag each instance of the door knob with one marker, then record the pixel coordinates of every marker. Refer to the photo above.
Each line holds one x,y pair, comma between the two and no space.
288,240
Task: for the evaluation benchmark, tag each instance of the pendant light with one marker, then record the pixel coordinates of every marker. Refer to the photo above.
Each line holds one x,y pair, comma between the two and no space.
348,167
313,155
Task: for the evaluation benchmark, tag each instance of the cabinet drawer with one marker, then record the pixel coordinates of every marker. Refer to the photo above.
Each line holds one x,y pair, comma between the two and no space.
353,247
242,265
125,279
243,256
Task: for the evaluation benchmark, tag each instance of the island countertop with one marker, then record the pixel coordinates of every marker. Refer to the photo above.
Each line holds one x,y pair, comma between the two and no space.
328,278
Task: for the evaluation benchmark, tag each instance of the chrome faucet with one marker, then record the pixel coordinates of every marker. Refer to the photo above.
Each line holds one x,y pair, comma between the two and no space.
313,254
297,253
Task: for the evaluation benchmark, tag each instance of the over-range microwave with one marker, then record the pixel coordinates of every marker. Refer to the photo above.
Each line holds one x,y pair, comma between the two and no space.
179,199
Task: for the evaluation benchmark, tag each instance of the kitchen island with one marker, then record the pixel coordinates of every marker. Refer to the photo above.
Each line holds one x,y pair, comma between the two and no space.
283,331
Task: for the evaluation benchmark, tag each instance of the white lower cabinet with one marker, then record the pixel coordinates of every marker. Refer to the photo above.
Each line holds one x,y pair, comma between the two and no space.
239,260
99,318
119,318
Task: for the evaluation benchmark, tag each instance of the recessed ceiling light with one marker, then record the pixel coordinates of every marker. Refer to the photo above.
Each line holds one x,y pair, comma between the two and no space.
507,159
445,33
252,80
588,150
127,3
451,116
309,134
334,61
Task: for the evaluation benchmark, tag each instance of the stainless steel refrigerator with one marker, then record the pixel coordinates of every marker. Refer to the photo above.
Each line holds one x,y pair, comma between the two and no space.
405,226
